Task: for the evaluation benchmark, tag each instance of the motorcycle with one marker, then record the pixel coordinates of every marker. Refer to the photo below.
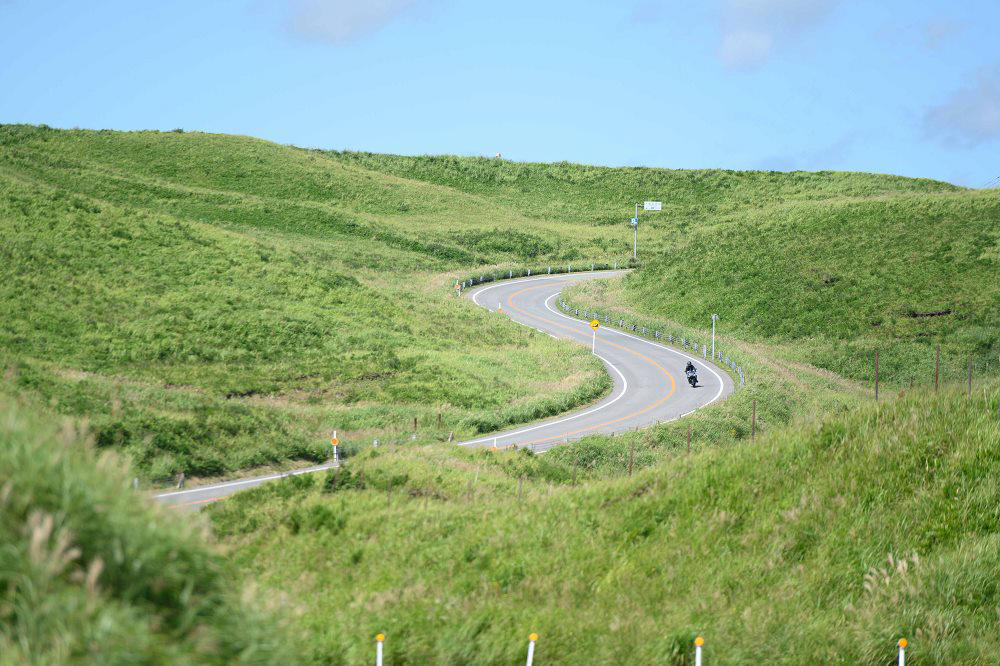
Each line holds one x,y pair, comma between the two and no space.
692,376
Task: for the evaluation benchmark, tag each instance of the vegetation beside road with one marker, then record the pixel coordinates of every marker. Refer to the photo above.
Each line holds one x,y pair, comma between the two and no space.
833,536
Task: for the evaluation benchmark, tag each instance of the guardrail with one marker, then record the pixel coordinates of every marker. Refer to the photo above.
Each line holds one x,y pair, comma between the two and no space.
646,331
496,274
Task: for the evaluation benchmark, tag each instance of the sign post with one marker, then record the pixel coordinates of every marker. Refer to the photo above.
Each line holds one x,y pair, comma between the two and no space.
334,442
635,232
593,345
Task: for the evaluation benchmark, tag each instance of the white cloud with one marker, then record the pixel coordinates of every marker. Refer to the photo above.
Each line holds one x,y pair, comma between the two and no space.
940,30
753,29
344,21
971,116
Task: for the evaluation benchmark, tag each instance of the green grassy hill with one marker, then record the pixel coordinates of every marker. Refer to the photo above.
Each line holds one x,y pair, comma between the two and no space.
91,575
823,542
216,303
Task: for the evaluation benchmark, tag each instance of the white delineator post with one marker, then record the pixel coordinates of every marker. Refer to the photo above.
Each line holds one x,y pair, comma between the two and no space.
593,344
698,642
378,649
334,441
531,648
902,651
714,317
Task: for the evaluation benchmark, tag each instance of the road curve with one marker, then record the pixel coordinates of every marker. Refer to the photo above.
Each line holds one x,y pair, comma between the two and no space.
649,382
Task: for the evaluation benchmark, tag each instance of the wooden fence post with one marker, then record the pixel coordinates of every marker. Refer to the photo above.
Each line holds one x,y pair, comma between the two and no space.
876,375
937,368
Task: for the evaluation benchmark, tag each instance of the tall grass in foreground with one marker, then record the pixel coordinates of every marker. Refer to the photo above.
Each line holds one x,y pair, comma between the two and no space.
90,574
823,542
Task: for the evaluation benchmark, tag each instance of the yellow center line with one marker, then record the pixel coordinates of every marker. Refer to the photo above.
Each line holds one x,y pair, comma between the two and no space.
204,501
651,406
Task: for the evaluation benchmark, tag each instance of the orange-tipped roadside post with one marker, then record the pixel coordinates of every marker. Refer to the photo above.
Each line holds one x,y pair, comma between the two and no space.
902,651
698,643
334,442
378,649
531,648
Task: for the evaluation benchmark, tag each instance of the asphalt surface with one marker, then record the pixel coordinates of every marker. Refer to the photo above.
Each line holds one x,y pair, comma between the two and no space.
649,382
195,498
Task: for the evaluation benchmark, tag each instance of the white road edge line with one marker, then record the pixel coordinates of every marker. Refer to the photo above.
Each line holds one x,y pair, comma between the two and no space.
243,482
562,420
475,299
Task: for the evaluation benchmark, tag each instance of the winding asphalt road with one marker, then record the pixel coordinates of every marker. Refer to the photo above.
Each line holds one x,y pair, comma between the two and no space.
649,382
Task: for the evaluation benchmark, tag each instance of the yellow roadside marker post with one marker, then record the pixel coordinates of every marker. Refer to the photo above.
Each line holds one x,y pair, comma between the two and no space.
698,643
593,345
531,648
902,651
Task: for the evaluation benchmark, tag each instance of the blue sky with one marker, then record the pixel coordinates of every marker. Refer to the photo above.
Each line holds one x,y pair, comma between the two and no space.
911,88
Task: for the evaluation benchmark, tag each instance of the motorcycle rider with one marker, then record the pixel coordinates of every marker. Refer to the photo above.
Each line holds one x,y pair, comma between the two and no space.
692,374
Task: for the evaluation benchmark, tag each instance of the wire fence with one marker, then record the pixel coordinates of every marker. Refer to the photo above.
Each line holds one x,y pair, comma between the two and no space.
670,338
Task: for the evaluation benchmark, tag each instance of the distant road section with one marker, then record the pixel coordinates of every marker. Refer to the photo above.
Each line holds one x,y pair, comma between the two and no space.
194,498
649,382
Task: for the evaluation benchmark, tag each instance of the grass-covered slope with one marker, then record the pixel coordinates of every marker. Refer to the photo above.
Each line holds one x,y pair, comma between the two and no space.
899,273
89,574
823,542
218,303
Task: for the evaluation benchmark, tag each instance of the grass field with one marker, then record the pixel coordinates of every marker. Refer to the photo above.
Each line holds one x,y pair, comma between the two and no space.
822,542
